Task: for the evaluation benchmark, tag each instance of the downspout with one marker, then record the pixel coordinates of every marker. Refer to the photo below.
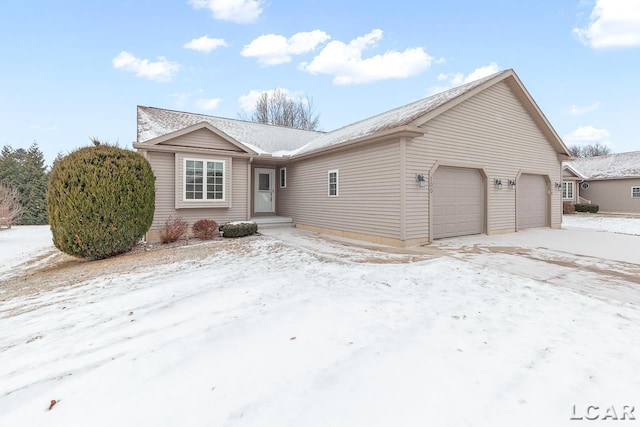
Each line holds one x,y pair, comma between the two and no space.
145,154
249,188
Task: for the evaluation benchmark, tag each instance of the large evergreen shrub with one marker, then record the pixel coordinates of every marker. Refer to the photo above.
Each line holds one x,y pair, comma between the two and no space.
100,201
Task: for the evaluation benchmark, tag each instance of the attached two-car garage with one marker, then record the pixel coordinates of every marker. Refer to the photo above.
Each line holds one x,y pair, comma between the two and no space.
459,206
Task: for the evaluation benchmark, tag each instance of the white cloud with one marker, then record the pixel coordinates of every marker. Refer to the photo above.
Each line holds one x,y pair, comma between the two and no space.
205,44
577,110
160,71
613,23
273,49
208,104
344,61
457,79
587,135
238,11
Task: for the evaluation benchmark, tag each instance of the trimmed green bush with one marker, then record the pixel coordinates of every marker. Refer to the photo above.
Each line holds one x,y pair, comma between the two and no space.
584,207
205,229
100,201
239,229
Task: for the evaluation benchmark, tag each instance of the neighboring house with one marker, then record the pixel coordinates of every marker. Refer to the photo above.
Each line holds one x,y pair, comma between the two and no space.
611,182
571,180
478,158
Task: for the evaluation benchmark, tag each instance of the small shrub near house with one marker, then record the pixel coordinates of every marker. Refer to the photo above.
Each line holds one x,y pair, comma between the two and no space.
100,201
174,228
584,207
239,229
568,208
205,229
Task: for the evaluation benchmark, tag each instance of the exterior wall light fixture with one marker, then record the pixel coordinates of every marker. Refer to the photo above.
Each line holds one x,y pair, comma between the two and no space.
498,183
512,184
420,179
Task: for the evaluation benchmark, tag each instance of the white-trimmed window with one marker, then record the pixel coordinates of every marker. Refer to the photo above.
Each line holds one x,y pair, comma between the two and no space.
283,177
333,183
567,190
204,180
635,192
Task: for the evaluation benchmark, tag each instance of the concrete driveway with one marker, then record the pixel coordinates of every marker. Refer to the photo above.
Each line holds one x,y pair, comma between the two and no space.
598,263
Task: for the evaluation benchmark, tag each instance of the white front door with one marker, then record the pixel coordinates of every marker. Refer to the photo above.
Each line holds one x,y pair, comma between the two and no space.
264,199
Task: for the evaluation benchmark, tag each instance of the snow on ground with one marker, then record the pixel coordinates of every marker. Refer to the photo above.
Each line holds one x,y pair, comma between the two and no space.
21,244
274,335
614,224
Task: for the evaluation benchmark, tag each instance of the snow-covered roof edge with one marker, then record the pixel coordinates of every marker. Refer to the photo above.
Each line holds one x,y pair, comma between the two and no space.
611,166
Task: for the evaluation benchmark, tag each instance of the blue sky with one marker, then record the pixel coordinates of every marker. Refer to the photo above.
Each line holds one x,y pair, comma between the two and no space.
73,69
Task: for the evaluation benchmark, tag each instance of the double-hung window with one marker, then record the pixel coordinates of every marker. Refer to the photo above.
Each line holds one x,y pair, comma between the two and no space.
635,192
567,190
204,180
333,183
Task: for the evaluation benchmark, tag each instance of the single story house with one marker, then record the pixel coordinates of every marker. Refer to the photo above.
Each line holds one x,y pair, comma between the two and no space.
478,158
612,181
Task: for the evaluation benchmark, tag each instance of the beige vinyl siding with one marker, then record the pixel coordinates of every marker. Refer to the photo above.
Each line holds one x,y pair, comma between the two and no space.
613,195
163,166
368,198
202,138
490,131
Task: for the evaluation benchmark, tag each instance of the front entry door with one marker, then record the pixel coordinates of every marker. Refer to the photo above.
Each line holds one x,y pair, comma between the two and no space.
264,199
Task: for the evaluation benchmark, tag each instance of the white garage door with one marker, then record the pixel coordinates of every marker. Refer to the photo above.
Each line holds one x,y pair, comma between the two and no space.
457,202
532,201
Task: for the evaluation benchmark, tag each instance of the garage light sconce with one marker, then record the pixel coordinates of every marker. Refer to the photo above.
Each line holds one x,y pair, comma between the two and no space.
512,184
498,183
420,180
558,186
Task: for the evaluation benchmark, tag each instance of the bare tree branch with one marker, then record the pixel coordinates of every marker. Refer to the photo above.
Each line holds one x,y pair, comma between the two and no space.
10,207
276,108
591,150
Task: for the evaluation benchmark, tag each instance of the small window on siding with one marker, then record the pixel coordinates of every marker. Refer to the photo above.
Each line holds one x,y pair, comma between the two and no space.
567,190
635,192
333,183
283,178
204,180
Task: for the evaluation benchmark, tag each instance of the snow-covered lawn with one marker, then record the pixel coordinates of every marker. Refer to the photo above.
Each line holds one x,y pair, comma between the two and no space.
21,244
263,332
600,222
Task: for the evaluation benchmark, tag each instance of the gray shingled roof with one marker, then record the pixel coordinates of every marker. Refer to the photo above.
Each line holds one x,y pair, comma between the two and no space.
397,117
267,139
264,139
621,165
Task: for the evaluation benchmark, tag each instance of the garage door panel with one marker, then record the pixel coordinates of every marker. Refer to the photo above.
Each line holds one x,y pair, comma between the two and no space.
457,202
533,204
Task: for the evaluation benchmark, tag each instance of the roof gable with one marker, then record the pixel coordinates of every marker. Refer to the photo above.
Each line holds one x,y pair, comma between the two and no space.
570,171
420,112
218,140
260,138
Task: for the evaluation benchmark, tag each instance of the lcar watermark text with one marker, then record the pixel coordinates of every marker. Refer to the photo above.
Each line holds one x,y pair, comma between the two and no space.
595,412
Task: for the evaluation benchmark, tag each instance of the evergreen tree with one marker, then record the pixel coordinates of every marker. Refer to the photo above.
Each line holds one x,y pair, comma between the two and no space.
26,171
